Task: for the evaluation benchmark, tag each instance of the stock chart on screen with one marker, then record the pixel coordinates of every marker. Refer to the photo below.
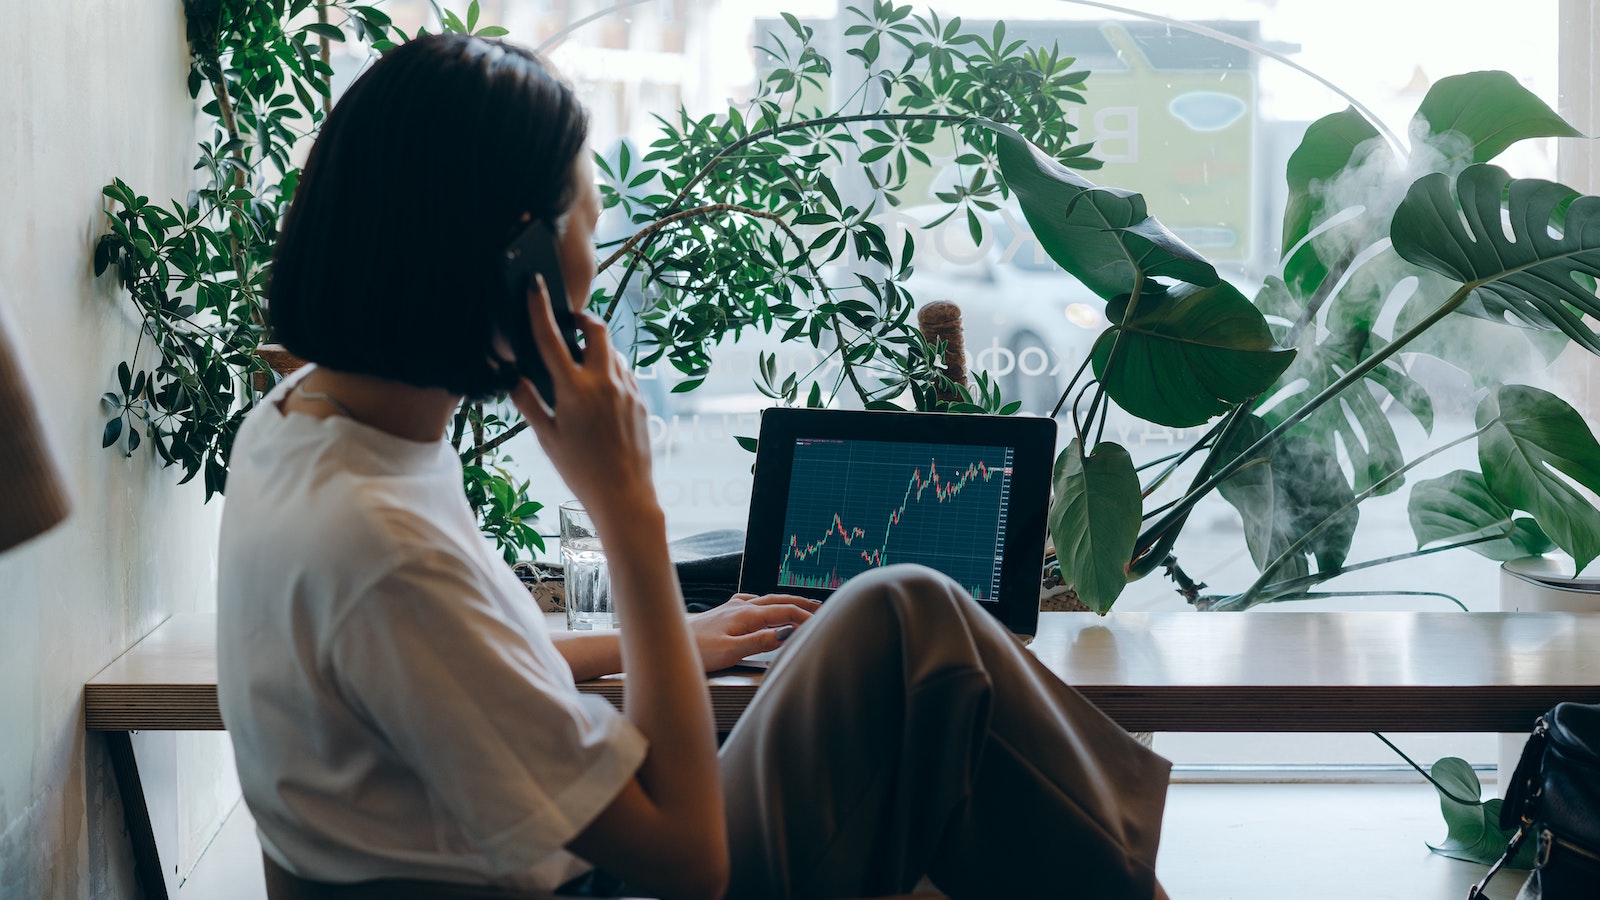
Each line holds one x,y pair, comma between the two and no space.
857,505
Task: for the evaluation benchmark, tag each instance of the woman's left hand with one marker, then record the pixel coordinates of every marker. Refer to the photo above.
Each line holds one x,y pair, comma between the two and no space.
747,624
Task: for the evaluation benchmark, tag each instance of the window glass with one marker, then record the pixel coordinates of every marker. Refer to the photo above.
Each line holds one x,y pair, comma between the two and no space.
1199,115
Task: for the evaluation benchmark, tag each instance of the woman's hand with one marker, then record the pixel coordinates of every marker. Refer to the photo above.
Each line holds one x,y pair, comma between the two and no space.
747,624
600,441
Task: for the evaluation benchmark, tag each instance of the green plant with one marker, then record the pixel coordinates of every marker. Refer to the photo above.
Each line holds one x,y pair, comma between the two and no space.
1472,824
1485,257
195,269
738,217
720,203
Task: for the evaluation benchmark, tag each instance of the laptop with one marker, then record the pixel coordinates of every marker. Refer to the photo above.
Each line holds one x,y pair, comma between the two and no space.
839,492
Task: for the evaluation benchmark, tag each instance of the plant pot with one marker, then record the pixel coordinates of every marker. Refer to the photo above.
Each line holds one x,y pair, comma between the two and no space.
281,362
1541,584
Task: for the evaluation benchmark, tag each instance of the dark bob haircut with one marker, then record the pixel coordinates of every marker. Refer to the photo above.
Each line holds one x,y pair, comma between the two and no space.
389,261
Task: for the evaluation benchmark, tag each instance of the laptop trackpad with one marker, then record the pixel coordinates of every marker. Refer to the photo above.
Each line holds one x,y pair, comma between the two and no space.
763,660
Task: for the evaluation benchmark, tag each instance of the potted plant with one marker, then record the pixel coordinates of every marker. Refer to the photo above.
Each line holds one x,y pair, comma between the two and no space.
1487,254
1469,254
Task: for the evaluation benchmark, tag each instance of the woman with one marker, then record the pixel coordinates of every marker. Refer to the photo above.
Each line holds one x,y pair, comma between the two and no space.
404,725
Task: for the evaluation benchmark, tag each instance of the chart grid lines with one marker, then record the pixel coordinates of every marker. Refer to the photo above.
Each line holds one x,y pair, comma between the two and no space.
857,505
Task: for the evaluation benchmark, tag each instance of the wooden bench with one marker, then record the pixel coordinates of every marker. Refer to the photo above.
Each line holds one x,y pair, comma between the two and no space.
1178,671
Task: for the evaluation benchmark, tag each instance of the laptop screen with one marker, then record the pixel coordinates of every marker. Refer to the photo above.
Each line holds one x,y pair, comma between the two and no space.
840,492
856,505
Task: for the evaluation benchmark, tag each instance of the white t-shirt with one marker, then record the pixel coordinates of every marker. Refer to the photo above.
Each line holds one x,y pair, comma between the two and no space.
396,707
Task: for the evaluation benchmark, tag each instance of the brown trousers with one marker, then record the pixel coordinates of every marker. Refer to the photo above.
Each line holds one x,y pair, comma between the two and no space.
905,733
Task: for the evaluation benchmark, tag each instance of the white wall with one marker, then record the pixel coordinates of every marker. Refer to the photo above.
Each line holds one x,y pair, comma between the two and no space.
89,90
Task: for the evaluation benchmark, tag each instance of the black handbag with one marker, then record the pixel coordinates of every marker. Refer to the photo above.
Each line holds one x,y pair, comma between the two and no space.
1554,797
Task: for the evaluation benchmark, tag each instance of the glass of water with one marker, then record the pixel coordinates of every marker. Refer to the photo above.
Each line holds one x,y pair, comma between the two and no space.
588,581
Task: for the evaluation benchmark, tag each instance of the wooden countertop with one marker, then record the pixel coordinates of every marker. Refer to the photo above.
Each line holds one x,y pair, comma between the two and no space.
1177,671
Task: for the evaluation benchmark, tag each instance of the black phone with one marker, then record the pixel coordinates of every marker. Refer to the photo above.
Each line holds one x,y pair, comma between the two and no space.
534,250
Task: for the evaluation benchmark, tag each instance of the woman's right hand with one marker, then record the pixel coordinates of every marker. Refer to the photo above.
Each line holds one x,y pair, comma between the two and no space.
669,817
600,441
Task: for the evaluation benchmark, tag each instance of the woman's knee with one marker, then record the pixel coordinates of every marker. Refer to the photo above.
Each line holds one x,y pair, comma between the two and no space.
893,591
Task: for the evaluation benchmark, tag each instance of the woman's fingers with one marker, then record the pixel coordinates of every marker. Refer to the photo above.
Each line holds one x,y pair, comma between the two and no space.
773,616
546,336
766,599
532,406
762,641
596,340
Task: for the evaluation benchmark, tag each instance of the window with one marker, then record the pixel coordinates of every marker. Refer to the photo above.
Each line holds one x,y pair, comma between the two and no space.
1200,116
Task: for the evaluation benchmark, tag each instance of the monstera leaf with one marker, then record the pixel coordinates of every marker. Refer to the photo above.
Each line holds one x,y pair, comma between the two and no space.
1183,357
1356,421
1460,507
1532,439
1469,118
1103,236
1539,273
1486,347
1473,829
1359,421
1326,150
1291,487
1492,110
1094,520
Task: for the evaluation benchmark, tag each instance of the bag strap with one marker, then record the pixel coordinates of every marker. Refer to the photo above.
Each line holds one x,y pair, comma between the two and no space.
1515,844
1525,790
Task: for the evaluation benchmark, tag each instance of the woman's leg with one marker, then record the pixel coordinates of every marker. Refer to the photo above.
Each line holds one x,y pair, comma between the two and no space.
906,733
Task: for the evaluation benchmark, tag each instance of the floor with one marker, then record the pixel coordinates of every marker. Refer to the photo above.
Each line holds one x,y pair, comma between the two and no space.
1219,842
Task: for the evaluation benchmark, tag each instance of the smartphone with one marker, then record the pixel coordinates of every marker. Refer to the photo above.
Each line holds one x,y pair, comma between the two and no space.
534,250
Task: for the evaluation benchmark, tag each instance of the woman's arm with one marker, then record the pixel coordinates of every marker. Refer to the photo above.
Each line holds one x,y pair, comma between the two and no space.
738,628
665,831
589,655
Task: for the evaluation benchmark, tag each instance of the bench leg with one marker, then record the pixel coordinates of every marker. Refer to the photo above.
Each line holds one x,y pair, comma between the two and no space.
136,815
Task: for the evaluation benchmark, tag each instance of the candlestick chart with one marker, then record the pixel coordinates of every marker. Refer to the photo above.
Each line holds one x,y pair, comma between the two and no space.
858,505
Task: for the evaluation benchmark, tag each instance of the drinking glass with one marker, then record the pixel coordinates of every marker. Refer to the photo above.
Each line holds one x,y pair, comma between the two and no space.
588,581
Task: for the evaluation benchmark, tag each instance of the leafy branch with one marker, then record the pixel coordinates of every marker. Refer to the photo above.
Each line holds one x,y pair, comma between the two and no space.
195,269
710,275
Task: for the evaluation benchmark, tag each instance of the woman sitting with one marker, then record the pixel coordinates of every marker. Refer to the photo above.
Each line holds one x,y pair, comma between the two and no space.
405,726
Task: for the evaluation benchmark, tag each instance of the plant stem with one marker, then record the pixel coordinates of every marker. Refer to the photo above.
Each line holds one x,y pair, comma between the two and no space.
478,450
724,153
1355,374
1321,294
1159,538
1321,594
1304,540
325,52
1181,457
1295,586
1088,358
1187,587
1478,801
1162,459
644,233
230,124
816,274
803,123
219,86
1111,358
